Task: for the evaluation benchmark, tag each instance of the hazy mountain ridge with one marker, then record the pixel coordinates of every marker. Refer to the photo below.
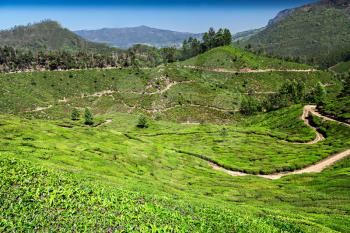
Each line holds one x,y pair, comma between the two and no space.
129,36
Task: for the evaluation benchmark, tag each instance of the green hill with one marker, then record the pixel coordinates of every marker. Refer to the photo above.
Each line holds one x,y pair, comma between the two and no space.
46,35
172,93
60,174
342,67
317,33
234,58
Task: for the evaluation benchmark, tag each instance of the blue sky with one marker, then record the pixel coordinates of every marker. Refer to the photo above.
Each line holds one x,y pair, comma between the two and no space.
180,15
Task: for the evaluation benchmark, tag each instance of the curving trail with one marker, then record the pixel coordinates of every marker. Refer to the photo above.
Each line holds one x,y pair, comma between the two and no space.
310,109
247,70
38,109
318,167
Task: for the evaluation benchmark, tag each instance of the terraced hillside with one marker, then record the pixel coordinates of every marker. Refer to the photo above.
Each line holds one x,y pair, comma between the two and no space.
162,160
187,91
179,174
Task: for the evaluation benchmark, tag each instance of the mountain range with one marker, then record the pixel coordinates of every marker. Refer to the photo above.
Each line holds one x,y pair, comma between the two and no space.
317,33
129,36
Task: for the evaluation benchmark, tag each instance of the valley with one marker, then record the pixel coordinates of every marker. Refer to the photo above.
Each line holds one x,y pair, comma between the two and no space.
246,133
170,157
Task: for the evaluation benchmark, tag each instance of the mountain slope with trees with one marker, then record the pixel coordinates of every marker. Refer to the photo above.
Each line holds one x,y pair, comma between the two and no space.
47,35
317,33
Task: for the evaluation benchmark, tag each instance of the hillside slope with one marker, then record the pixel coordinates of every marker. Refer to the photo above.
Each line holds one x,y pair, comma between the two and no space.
127,37
235,58
46,35
245,35
316,33
119,177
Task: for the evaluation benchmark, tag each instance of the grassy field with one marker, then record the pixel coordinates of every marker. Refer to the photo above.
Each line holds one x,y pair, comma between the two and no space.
132,164
61,175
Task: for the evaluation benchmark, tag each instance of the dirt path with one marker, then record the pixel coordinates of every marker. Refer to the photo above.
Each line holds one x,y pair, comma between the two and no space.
189,105
38,109
247,70
106,122
310,109
318,167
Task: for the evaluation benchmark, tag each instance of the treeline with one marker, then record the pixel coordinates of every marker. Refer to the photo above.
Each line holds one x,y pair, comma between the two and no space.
193,46
321,62
211,39
12,59
291,92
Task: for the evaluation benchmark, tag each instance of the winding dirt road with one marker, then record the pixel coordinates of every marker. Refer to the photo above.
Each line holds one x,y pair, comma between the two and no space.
318,167
247,70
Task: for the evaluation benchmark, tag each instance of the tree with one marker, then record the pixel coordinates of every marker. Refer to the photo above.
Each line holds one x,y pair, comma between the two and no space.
249,106
89,120
75,114
209,39
346,85
319,94
227,37
169,54
142,122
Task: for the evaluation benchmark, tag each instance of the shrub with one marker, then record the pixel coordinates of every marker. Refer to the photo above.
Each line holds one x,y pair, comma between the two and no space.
75,116
249,106
89,120
142,122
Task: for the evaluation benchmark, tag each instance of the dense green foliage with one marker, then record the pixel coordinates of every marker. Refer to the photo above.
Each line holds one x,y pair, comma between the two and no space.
142,122
88,118
316,34
23,60
210,40
338,107
75,116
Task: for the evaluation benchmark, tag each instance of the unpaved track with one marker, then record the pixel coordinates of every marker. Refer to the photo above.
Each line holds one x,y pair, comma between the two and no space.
310,109
246,70
38,109
318,167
